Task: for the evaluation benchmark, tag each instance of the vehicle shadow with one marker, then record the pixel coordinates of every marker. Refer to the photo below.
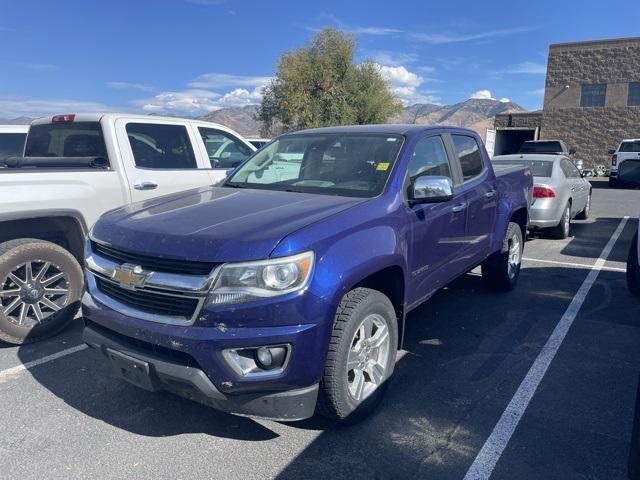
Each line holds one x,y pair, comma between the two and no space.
589,238
465,352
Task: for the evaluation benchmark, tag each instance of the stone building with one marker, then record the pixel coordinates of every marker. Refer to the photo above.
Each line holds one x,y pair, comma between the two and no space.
591,99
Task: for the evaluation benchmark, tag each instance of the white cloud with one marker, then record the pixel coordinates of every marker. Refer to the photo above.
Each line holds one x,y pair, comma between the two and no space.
482,95
532,68
537,91
217,80
131,86
358,30
199,102
505,100
405,85
394,59
454,37
30,107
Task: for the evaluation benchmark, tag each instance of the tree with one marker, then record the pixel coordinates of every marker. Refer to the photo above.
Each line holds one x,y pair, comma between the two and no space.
321,85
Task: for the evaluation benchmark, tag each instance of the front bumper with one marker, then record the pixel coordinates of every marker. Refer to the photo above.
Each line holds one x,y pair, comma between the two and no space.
153,372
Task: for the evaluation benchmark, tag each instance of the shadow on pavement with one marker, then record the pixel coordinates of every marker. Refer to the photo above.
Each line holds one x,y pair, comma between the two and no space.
589,238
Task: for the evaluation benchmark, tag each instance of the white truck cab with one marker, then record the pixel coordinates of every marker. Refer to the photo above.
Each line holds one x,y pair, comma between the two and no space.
625,163
12,139
74,169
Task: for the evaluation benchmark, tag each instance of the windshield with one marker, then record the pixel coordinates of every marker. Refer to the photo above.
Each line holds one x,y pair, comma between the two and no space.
630,146
541,147
352,165
539,168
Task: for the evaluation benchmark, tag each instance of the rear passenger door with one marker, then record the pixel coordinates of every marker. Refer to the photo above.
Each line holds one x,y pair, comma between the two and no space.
479,197
159,158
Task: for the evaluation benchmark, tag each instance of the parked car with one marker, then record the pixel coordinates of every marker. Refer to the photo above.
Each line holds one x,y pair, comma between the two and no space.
633,267
625,163
258,142
270,299
548,147
587,172
76,168
559,194
12,139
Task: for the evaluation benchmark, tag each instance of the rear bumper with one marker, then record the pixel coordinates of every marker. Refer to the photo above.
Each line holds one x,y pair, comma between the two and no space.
545,213
154,373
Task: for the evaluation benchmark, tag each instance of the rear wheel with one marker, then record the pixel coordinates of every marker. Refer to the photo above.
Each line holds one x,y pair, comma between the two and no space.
584,214
40,288
613,182
562,230
633,269
361,357
501,270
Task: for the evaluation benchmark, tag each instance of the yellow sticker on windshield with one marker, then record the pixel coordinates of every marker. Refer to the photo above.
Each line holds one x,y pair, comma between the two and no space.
382,167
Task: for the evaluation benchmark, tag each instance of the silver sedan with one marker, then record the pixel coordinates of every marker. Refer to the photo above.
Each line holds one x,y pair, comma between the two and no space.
559,193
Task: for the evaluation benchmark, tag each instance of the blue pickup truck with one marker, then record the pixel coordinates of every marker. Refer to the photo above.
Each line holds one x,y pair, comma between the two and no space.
284,291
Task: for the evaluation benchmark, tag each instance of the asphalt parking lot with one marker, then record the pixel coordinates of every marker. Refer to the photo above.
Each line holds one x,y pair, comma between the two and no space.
466,355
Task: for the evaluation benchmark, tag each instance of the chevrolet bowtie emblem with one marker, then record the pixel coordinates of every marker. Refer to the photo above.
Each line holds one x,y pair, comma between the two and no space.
129,276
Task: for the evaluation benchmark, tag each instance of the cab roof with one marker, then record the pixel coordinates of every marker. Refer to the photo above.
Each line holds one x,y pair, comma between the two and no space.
390,129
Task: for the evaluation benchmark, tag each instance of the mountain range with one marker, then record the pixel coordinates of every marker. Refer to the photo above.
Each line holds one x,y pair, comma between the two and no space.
473,113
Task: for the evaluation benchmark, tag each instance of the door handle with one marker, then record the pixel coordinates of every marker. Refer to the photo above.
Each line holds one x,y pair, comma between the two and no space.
145,185
490,194
460,207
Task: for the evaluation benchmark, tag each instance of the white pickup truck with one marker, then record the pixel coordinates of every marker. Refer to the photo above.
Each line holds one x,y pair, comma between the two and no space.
74,169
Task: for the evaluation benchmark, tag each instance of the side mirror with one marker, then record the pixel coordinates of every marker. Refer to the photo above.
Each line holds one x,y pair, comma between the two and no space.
229,172
572,150
431,189
612,151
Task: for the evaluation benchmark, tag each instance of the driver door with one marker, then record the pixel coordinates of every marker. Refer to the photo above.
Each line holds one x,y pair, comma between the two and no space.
437,229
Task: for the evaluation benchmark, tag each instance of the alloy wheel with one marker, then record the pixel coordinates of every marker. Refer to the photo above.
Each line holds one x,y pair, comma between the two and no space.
515,254
33,292
368,357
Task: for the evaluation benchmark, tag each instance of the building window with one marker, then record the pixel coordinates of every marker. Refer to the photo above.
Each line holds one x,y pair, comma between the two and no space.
634,94
593,95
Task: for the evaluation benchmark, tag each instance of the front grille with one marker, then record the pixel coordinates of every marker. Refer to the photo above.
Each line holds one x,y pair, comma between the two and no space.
155,264
149,302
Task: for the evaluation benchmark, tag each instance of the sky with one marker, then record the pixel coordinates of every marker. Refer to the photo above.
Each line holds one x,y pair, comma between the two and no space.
191,57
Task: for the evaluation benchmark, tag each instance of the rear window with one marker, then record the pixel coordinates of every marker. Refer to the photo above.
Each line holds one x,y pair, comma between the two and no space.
469,156
539,168
11,144
630,146
161,146
541,147
81,139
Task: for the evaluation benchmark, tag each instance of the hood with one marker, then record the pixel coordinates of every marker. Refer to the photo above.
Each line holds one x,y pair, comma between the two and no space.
215,224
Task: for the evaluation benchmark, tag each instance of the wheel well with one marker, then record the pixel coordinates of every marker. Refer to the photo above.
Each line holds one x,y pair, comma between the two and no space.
389,281
64,231
521,217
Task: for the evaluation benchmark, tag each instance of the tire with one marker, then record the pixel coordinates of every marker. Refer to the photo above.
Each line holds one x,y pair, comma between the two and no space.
563,229
502,270
633,269
584,214
27,312
613,182
338,398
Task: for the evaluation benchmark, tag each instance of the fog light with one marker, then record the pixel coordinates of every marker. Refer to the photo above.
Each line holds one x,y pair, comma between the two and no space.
264,358
256,361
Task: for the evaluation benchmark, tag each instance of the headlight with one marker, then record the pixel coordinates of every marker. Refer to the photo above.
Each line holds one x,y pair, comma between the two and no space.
241,282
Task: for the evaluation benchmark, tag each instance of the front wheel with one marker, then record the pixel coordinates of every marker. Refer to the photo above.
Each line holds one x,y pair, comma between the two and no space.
501,270
584,214
361,357
633,269
40,288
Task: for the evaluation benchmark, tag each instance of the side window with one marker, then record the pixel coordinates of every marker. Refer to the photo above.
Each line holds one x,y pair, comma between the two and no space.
575,173
570,171
429,158
161,146
469,155
223,149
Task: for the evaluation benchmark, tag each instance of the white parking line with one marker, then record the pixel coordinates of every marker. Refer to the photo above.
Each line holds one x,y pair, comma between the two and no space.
570,264
10,373
491,451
